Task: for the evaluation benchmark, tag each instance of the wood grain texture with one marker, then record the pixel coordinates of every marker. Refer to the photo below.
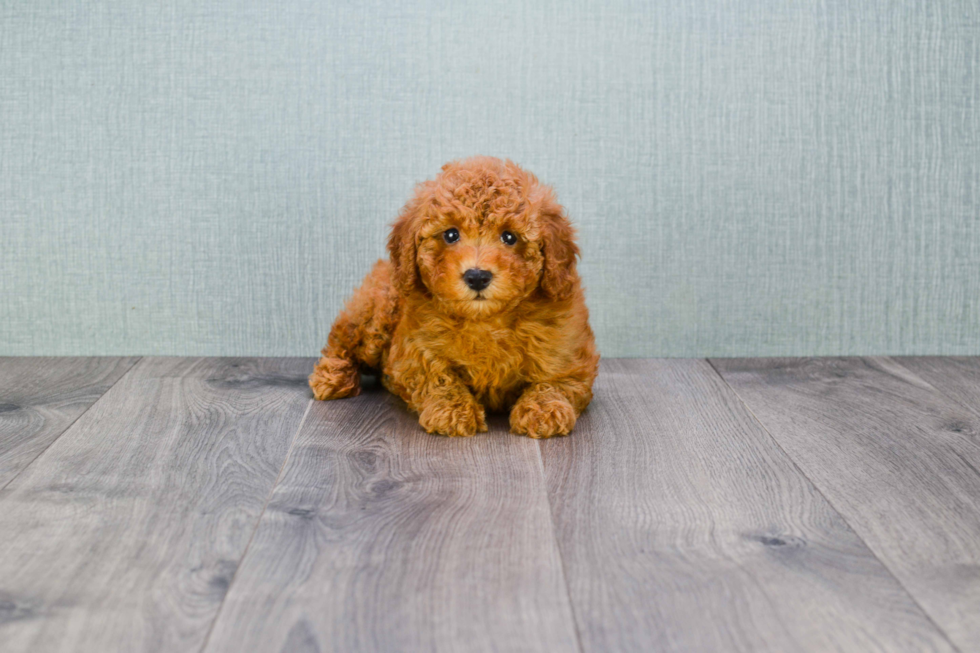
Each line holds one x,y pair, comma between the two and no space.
125,533
683,527
957,377
41,397
380,537
897,458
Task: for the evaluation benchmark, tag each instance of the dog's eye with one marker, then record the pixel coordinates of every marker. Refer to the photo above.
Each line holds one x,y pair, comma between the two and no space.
508,238
451,235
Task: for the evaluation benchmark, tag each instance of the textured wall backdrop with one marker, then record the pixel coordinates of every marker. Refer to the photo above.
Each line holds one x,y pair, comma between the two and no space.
750,177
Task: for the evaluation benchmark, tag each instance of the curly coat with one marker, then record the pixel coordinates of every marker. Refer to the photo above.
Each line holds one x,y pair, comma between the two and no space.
451,352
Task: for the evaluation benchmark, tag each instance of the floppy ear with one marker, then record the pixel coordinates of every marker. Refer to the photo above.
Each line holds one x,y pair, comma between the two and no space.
560,251
403,249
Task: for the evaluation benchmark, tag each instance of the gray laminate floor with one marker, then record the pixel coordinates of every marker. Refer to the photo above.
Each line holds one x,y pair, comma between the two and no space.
208,504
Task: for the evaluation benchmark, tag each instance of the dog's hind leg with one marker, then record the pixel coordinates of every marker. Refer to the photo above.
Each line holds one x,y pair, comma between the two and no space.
358,338
335,377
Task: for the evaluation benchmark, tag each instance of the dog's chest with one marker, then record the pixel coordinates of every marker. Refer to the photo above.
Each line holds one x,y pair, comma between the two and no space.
487,357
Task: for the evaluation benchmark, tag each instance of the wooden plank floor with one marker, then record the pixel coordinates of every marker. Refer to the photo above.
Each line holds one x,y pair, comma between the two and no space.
171,504
896,456
41,397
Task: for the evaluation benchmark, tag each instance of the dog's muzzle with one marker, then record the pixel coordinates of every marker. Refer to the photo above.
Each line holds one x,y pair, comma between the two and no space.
477,279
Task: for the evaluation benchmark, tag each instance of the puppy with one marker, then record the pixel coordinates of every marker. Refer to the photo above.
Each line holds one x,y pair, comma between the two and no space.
480,307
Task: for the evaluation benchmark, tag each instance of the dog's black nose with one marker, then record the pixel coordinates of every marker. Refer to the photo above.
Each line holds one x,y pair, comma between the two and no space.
477,279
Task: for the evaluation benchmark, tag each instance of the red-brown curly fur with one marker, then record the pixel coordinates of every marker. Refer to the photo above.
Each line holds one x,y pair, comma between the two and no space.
450,352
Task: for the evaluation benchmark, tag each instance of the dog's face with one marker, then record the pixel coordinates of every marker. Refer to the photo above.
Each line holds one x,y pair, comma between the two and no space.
481,237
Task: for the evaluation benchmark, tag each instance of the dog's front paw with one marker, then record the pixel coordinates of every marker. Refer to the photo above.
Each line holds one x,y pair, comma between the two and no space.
335,378
542,417
460,417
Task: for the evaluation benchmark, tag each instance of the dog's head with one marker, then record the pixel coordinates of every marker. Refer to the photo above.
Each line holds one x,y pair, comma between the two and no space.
482,236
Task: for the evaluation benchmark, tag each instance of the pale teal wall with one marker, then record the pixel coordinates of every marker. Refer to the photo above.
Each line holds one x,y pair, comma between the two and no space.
750,177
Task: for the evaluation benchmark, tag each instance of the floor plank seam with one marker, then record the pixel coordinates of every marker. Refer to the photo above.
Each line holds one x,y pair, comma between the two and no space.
255,529
959,402
835,508
69,426
561,558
